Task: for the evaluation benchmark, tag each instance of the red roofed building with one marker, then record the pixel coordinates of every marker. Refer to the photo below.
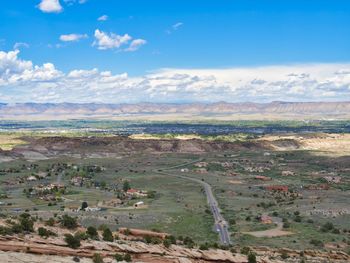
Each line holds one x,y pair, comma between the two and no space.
265,219
132,191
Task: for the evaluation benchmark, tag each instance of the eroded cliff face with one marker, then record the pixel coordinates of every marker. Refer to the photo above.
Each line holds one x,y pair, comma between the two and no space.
32,248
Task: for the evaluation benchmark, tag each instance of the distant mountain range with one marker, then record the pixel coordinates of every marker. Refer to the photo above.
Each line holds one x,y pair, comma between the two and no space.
221,110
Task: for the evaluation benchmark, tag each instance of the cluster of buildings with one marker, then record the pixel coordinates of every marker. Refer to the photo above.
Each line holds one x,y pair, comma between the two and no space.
47,192
79,181
332,179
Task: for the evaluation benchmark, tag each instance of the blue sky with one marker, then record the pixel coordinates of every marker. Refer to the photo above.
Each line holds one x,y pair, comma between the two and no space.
163,37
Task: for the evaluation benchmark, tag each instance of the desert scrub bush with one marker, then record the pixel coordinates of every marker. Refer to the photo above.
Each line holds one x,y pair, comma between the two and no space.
245,250
26,222
43,232
97,258
107,235
251,258
69,222
92,232
72,241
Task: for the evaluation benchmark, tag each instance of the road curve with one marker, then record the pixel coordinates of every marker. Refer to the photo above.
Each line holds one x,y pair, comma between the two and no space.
220,225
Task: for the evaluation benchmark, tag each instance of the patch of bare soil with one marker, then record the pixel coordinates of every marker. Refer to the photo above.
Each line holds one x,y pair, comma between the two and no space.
274,232
332,144
235,182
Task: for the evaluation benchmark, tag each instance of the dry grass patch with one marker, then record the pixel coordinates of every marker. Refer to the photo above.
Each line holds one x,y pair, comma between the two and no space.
320,144
9,141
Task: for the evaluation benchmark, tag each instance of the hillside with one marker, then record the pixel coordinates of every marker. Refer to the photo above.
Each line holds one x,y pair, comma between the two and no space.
220,110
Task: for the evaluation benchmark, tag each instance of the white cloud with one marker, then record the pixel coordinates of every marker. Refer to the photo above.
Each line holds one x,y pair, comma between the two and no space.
20,44
110,41
136,44
177,25
102,18
72,37
21,81
50,6
174,27
16,71
105,41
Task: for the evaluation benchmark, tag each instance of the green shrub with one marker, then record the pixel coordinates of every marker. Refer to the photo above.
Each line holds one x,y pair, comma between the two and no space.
17,229
166,243
69,222
284,255
327,227
107,235
97,258
43,232
189,242
50,222
286,225
297,219
26,222
127,232
72,241
92,232
5,231
204,246
119,257
171,239
245,250
251,258
81,235
127,257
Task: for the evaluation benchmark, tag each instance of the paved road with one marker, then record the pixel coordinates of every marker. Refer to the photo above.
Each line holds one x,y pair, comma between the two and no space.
220,225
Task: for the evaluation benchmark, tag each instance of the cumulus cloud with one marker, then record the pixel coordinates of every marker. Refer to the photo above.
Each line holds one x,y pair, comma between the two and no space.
14,71
102,18
72,37
50,6
105,41
21,81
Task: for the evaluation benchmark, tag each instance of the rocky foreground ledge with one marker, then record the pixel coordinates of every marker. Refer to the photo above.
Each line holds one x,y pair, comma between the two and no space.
32,248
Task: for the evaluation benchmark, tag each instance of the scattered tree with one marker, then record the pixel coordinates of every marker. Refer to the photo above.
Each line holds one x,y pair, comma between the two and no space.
126,186
107,235
92,232
84,205
251,258
43,232
26,222
72,241
69,222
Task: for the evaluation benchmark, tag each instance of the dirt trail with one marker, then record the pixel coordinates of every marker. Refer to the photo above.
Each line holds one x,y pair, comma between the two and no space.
274,232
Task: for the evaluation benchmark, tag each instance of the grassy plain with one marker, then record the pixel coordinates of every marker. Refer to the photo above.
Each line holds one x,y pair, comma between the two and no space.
179,206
